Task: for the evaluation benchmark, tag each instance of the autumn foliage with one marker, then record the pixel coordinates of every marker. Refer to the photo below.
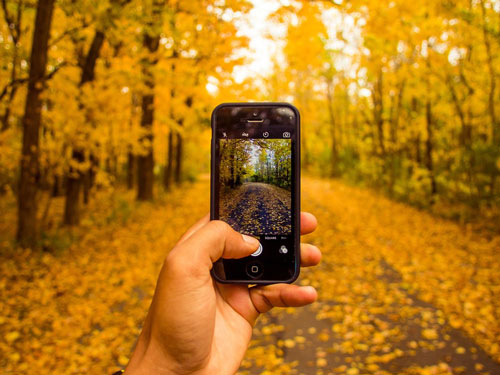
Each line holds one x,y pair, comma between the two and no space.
104,153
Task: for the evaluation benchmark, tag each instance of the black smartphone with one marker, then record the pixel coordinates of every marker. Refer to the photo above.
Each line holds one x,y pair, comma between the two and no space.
255,188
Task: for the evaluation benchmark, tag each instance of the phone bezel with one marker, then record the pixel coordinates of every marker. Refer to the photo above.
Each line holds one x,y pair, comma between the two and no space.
296,181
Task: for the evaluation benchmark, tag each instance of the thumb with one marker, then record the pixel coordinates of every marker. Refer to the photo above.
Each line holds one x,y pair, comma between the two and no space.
213,241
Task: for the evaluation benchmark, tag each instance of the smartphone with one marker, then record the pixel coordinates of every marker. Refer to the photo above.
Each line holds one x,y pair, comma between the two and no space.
255,188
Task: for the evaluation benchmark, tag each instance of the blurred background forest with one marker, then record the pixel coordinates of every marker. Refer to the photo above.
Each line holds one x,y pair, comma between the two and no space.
105,107
399,96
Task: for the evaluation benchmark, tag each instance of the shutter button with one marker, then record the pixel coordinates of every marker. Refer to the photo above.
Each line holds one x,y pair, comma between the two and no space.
257,252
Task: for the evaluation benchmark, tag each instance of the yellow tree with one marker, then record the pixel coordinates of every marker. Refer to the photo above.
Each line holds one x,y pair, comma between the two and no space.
202,41
30,164
151,41
305,56
83,161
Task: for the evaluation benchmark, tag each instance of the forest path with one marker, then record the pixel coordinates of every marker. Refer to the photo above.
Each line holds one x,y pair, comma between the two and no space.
258,208
400,291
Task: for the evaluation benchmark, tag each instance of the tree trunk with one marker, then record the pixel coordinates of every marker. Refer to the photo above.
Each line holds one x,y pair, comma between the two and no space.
28,184
12,93
57,188
88,70
73,188
167,176
178,159
89,178
418,155
15,33
169,165
76,178
131,170
378,111
180,144
429,147
333,128
394,127
132,160
232,169
495,124
145,162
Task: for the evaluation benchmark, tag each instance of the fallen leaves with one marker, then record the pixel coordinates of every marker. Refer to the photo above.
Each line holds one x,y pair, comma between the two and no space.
393,283
430,334
256,208
80,311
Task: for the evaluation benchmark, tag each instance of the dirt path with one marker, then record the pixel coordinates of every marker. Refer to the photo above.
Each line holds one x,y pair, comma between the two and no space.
401,292
258,208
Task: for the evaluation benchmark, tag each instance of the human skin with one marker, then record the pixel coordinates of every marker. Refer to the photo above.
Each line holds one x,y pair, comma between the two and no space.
197,326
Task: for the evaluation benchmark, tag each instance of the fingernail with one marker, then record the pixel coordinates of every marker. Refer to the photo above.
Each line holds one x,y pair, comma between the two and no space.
309,288
251,240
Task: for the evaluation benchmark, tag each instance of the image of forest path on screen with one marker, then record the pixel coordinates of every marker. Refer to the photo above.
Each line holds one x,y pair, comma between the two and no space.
255,185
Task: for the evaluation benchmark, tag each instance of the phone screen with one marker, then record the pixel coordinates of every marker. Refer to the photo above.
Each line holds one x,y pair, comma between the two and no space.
255,189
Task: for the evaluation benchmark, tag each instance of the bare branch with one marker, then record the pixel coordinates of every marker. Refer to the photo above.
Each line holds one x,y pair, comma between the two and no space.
66,33
21,81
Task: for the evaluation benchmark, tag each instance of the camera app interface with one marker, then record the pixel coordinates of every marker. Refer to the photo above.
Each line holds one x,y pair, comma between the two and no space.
255,186
255,190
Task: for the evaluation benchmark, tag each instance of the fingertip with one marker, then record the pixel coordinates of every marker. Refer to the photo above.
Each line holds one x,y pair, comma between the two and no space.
310,255
310,293
316,255
252,241
308,222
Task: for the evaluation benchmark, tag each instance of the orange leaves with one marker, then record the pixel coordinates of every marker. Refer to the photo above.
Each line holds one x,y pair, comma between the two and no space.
429,334
81,310
379,257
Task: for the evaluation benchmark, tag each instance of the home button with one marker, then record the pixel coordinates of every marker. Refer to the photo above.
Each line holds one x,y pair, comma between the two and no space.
255,269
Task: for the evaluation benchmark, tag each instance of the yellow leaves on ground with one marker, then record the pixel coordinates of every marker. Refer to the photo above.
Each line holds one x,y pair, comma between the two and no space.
454,269
80,311
430,334
393,283
257,208
12,336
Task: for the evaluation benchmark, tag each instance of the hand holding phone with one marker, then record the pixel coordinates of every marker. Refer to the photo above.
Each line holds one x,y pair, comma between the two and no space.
255,188
197,326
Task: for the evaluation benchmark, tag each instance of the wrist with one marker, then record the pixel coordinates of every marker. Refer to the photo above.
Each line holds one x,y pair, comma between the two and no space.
145,361
149,359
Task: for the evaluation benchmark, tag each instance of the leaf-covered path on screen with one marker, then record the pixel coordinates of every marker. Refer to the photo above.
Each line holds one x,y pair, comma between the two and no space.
257,208
401,292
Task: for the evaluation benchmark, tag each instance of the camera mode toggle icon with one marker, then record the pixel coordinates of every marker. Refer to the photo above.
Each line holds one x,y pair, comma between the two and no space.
283,250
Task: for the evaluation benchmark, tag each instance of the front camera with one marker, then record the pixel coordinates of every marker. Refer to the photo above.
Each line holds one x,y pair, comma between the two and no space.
255,114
